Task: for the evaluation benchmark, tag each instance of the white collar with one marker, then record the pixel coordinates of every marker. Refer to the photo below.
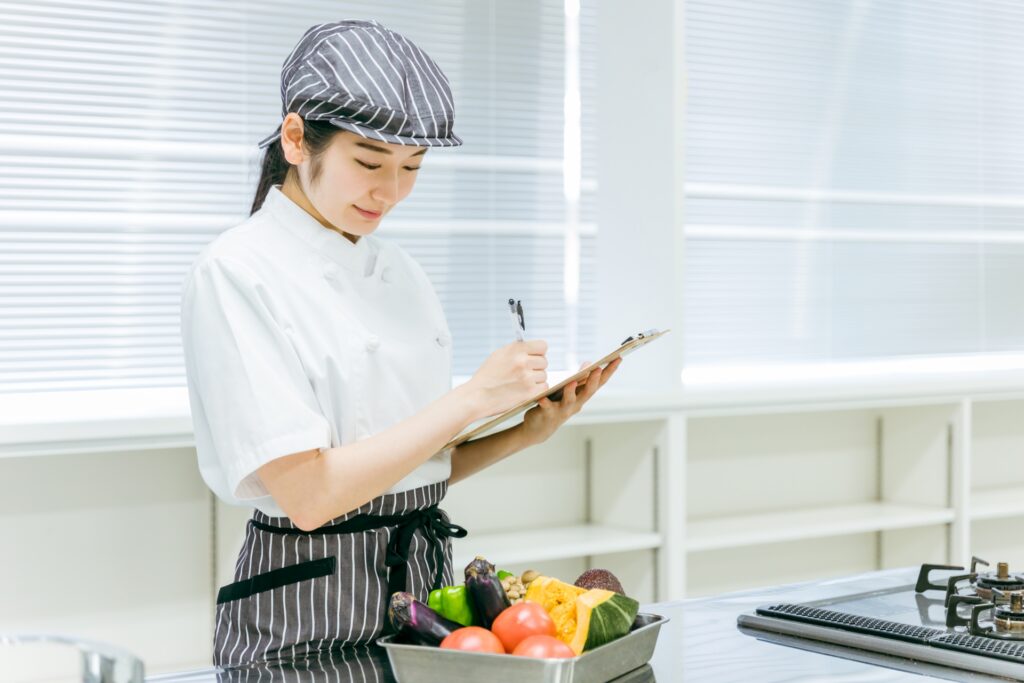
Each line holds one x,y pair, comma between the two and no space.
360,258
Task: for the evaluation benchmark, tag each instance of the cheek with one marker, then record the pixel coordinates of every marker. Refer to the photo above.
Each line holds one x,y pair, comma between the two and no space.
405,187
346,185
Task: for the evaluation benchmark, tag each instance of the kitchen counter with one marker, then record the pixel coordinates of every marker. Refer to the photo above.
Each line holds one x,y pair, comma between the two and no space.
700,643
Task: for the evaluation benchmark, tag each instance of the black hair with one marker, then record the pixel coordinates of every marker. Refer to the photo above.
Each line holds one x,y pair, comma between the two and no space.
316,137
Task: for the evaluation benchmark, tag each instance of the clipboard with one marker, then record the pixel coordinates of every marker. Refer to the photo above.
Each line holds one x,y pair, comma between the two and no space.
555,393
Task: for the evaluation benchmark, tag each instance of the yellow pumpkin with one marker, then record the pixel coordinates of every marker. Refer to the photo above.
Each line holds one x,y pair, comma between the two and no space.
584,619
559,600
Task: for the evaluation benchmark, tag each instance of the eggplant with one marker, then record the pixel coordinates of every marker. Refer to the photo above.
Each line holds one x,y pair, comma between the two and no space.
485,592
423,623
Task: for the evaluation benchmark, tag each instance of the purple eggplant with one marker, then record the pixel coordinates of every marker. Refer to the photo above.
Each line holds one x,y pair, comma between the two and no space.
423,623
485,591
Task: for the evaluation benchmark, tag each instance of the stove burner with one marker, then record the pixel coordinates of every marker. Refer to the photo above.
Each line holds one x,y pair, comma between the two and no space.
997,586
1010,618
999,592
1001,581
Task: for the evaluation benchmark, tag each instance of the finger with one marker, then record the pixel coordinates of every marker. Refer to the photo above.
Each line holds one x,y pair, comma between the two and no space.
610,369
569,395
536,347
608,374
587,393
585,389
536,362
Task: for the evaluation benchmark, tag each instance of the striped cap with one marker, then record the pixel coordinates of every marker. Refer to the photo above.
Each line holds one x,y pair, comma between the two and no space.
369,80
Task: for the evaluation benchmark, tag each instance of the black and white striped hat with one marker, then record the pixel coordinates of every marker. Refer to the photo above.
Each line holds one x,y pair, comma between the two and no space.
369,80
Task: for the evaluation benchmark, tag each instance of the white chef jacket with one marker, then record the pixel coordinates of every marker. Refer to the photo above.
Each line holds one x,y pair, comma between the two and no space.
295,339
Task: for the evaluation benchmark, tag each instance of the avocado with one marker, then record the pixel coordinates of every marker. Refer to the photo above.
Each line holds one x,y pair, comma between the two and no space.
599,578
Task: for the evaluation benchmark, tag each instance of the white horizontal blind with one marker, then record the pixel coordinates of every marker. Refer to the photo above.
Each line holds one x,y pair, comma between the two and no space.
127,142
854,180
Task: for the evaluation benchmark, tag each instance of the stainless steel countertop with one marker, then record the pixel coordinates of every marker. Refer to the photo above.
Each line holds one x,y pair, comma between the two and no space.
700,643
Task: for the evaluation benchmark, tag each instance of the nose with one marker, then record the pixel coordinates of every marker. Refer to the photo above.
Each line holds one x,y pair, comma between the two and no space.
386,190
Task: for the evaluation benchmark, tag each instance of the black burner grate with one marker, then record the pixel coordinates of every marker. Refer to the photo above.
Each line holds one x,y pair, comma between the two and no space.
978,645
852,622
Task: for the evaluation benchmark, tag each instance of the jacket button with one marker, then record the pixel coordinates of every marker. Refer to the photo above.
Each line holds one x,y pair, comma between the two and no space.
372,343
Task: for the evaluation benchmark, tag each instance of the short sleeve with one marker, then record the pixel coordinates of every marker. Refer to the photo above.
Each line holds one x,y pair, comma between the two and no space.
251,399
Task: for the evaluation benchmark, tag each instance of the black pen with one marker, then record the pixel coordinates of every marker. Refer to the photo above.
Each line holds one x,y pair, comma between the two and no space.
515,309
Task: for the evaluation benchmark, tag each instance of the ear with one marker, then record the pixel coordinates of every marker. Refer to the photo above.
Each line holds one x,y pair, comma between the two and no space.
292,132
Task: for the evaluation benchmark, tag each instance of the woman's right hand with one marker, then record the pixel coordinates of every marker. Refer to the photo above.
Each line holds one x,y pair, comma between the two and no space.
511,375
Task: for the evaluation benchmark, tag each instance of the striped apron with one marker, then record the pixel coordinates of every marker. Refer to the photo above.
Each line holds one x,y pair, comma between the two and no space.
296,592
356,664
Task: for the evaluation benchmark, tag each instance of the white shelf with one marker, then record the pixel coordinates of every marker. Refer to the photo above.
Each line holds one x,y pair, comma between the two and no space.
773,527
997,503
867,389
518,547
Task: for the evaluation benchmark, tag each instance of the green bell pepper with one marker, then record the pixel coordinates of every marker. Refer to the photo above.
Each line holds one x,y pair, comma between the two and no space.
434,601
502,574
452,602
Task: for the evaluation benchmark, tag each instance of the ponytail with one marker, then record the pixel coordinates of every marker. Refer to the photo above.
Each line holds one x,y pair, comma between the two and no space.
273,171
316,136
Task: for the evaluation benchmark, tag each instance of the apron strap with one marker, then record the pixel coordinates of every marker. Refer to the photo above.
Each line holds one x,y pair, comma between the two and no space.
436,530
430,520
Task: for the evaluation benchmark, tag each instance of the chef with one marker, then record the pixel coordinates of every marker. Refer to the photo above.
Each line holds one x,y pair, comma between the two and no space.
318,360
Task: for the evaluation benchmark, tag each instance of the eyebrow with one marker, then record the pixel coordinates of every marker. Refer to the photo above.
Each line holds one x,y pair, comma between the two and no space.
384,150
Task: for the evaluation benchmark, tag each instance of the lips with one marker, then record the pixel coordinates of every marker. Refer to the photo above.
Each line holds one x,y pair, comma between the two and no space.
367,214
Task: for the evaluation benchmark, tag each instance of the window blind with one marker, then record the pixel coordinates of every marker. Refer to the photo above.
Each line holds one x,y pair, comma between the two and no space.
128,142
853,182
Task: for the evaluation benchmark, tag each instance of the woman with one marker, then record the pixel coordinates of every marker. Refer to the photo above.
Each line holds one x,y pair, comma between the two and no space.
319,360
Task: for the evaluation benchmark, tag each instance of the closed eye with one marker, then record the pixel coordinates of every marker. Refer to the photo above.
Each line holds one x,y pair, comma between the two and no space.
374,167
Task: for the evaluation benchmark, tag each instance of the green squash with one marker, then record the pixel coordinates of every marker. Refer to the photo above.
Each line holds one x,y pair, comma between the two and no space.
601,617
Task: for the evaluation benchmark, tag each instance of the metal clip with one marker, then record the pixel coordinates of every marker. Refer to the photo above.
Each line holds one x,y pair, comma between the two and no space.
640,335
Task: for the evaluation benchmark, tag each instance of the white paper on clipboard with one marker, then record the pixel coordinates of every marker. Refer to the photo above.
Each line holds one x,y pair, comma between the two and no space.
555,392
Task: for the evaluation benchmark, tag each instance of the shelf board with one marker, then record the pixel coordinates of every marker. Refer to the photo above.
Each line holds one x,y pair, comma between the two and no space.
795,525
538,545
997,503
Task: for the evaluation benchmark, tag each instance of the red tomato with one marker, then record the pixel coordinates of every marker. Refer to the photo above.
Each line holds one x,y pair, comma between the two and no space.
473,639
545,647
522,620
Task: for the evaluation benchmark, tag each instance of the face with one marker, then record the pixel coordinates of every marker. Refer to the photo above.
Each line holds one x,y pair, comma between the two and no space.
360,179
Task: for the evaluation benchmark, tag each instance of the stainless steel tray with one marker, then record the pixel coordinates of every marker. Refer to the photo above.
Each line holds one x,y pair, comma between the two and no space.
423,664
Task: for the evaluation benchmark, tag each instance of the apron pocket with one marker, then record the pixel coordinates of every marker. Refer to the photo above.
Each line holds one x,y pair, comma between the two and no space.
276,578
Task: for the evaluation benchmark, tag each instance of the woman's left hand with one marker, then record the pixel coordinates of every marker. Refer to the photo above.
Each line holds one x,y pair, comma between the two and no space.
543,420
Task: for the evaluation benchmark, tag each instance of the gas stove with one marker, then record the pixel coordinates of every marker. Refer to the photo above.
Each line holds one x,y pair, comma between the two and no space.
998,594
967,620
